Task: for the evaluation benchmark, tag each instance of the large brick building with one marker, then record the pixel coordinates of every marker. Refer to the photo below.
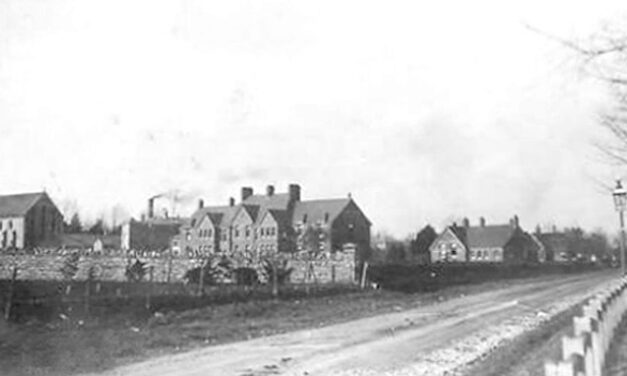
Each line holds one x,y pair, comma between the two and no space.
275,222
151,233
28,220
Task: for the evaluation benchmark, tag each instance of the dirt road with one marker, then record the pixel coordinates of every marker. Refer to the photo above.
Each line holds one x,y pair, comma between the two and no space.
385,344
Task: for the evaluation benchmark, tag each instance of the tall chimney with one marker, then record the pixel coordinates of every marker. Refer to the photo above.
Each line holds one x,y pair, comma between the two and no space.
482,222
246,192
294,192
231,201
151,207
201,203
270,190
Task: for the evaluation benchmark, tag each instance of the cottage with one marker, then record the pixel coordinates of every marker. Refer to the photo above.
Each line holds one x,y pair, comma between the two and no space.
28,220
506,243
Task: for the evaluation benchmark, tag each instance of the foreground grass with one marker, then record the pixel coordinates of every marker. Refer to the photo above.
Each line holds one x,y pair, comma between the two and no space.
65,347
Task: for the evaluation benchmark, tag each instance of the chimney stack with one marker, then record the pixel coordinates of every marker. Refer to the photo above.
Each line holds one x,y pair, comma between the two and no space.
151,208
246,192
294,192
465,222
482,222
231,201
201,203
270,190
514,221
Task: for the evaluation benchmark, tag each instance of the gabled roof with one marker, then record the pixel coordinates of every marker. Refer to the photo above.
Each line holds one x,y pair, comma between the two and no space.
319,210
489,236
219,215
19,204
277,201
252,210
280,216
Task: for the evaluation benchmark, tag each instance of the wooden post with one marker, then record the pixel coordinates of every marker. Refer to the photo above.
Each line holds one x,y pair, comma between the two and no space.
364,270
88,292
201,279
149,290
169,275
7,308
275,280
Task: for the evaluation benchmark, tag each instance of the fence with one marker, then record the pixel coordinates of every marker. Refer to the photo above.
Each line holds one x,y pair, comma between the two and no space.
584,353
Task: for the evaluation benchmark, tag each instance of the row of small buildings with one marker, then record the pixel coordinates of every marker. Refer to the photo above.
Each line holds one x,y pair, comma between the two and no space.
501,243
262,224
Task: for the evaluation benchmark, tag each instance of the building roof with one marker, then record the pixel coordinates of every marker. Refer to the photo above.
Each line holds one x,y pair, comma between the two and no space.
278,206
319,210
280,216
277,201
252,210
219,215
18,205
489,236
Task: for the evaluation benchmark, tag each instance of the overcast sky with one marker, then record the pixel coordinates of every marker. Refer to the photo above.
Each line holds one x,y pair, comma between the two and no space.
423,112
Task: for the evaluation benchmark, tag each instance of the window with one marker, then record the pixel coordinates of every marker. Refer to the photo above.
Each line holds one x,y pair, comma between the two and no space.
188,236
209,233
10,224
247,231
236,232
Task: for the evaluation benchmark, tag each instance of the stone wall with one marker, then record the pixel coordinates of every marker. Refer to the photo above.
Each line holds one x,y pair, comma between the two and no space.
325,268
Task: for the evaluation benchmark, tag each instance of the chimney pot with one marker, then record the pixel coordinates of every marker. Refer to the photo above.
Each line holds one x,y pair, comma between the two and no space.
201,203
246,192
231,201
514,221
270,190
482,222
466,223
294,192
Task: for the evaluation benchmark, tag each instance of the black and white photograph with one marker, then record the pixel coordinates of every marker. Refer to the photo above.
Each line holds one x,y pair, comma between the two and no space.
313,188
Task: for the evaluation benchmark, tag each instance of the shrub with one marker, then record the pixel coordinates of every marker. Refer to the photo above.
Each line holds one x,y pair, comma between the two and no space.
245,276
136,272
282,271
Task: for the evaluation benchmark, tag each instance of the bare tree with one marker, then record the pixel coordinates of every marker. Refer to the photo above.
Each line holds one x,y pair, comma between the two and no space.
603,56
